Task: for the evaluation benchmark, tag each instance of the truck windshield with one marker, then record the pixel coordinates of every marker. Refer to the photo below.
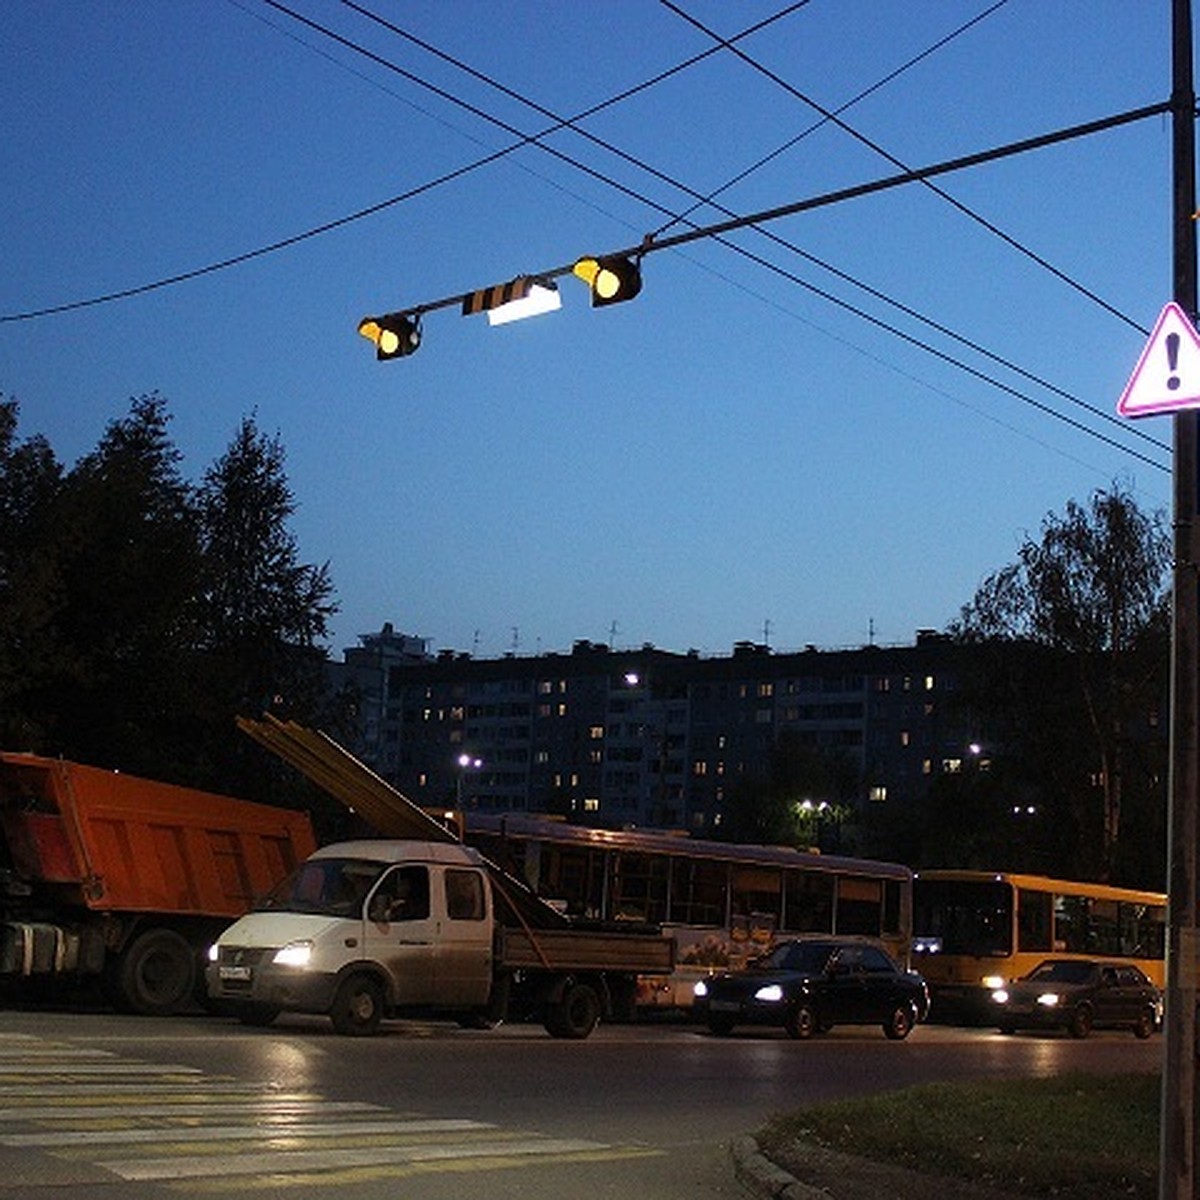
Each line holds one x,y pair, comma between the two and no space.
334,887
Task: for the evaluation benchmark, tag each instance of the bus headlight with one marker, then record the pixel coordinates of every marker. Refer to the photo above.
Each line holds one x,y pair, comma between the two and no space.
294,954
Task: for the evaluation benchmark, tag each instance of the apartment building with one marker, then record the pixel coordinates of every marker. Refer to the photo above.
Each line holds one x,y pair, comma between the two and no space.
651,737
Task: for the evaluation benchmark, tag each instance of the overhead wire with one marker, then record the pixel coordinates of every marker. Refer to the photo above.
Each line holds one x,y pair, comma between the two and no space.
571,123
402,197
534,139
874,146
882,82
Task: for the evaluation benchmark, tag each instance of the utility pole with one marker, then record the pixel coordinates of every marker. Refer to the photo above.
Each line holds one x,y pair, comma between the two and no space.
1177,1144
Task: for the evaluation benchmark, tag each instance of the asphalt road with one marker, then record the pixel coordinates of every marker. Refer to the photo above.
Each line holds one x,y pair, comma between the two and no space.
95,1105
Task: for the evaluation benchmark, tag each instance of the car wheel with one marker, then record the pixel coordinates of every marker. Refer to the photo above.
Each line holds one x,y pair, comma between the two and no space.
357,1007
1081,1022
802,1022
720,1026
1144,1026
899,1025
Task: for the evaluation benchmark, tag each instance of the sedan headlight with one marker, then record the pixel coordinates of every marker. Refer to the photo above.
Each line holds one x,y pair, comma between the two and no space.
214,952
1049,999
294,954
770,993
1000,996
700,989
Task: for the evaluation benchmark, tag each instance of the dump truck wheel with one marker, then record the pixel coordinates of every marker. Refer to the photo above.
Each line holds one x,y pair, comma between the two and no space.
156,974
576,1014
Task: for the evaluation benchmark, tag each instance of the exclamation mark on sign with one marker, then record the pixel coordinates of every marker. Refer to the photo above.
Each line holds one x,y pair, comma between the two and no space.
1172,360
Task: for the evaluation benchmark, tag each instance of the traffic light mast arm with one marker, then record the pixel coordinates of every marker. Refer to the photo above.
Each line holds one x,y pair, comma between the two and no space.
650,243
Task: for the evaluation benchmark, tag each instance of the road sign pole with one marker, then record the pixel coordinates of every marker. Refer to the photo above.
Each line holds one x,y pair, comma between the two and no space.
1177,1145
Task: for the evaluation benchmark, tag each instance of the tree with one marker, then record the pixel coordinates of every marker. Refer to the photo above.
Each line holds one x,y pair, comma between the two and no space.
261,610
30,591
125,546
1079,626
802,798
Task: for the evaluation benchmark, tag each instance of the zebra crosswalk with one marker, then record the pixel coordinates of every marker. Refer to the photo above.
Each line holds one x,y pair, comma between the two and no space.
81,1109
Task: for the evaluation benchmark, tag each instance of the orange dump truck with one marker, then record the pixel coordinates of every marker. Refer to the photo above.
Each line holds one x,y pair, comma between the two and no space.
105,874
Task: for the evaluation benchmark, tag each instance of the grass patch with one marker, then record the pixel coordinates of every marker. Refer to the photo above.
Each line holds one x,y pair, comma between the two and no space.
1073,1137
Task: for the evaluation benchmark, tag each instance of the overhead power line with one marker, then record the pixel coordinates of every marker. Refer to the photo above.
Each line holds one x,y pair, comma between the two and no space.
572,123
409,194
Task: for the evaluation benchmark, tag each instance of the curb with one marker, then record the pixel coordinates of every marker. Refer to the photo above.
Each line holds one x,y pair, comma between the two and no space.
755,1171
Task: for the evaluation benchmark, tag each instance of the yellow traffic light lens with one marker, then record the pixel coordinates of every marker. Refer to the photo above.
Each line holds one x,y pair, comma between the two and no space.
607,284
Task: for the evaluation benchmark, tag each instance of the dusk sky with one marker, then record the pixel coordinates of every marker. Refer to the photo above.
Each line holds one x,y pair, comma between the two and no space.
757,445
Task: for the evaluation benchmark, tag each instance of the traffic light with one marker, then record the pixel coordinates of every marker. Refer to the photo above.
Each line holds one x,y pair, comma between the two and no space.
394,335
611,280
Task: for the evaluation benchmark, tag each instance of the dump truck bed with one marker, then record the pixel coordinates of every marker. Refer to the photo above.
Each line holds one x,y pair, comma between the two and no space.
121,843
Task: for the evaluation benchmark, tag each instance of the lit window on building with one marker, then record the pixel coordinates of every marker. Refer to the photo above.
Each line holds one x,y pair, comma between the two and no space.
929,683
905,737
591,804
700,767
952,766
596,732
878,792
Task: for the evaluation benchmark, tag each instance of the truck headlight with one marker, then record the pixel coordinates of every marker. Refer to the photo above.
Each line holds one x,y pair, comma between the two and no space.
294,954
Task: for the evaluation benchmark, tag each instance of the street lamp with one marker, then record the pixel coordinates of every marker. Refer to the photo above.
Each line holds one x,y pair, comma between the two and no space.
466,762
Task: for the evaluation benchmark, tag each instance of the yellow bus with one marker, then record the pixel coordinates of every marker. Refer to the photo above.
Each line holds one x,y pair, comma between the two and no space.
724,903
976,931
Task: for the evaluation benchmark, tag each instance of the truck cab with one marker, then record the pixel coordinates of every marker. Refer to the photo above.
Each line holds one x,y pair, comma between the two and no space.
361,929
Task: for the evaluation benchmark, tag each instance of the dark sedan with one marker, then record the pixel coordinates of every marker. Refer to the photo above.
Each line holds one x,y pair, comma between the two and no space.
810,985
1079,995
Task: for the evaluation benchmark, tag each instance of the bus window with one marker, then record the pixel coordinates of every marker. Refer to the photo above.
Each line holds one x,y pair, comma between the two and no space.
1071,924
808,902
754,902
570,878
859,905
1104,928
1143,930
1033,920
964,916
699,892
892,920
638,889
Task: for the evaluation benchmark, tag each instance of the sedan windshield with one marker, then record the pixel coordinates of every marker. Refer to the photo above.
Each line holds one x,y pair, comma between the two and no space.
334,887
807,958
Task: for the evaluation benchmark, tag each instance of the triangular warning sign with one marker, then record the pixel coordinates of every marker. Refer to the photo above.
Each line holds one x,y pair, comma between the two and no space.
1167,376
